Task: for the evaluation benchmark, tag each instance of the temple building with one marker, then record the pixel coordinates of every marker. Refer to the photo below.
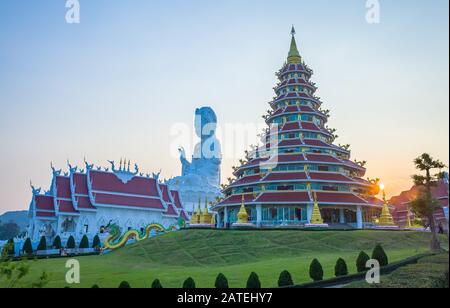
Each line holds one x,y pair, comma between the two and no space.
83,201
403,213
299,177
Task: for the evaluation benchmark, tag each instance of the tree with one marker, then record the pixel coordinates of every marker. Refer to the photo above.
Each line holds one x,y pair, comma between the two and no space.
124,285
221,282
285,279
361,262
380,255
425,205
253,281
316,270
84,244
96,242
71,243
157,284
41,282
13,272
341,268
57,243
189,283
42,244
27,247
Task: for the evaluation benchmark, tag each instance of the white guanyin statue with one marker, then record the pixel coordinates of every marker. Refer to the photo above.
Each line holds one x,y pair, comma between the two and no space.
200,178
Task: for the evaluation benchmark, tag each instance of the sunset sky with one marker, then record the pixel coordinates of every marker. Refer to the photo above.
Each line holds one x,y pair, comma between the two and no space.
116,84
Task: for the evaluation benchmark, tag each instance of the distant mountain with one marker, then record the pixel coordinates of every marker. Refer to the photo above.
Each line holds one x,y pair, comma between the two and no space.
18,217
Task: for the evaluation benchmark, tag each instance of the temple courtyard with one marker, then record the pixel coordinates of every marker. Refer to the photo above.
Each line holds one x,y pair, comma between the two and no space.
202,254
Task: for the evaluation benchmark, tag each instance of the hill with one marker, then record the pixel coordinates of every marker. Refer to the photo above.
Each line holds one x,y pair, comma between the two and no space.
18,217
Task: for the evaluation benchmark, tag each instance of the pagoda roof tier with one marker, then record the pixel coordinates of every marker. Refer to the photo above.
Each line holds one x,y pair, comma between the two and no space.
294,68
177,199
294,82
171,211
64,196
66,207
296,109
284,197
341,198
44,207
237,199
293,96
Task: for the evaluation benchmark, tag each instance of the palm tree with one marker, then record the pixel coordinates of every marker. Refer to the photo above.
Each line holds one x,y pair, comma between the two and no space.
425,204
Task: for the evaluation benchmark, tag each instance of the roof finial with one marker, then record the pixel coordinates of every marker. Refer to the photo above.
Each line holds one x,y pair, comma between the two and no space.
294,56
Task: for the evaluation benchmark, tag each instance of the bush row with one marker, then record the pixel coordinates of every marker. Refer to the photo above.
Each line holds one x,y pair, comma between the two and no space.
84,244
285,280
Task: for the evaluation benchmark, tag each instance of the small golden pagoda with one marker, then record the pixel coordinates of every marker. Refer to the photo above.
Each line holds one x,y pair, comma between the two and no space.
206,217
386,219
196,217
242,215
316,218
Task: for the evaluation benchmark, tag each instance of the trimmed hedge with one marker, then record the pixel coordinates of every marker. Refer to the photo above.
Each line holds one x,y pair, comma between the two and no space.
189,283
285,279
71,243
341,268
42,244
380,255
27,247
361,262
57,242
316,270
221,282
157,284
96,242
124,285
84,244
253,281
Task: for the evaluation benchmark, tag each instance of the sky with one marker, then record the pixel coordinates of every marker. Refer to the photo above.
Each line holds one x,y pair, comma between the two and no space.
117,83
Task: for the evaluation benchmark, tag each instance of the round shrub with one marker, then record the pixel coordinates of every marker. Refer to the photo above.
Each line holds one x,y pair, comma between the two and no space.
285,279
95,286
10,248
253,281
57,242
380,255
221,282
42,244
124,285
96,242
84,242
361,262
157,284
71,243
27,247
316,270
341,268
189,283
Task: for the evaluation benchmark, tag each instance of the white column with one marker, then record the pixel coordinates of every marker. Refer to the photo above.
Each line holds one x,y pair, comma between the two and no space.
359,217
309,212
342,216
258,215
225,217
219,220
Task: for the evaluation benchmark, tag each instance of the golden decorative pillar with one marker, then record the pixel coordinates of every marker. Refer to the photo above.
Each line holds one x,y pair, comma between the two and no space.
206,216
386,219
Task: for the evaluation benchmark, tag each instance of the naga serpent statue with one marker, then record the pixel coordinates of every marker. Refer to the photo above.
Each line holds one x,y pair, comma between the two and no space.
115,240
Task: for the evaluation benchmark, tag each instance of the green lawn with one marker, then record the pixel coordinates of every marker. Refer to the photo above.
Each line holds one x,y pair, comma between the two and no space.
424,274
202,254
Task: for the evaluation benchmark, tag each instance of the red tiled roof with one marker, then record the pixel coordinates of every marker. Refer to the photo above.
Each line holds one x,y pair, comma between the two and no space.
317,143
327,197
116,200
184,216
44,203
170,210
287,158
237,199
108,182
63,187
165,193
294,142
247,179
306,109
285,176
327,176
176,199
290,109
84,203
291,126
80,183
45,214
66,207
310,126
284,197
322,158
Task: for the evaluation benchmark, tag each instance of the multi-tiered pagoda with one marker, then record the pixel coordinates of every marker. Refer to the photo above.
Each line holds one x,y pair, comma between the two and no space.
299,170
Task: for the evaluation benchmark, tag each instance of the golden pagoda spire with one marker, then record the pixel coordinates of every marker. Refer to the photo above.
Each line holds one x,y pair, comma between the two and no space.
206,216
194,220
316,217
294,56
242,215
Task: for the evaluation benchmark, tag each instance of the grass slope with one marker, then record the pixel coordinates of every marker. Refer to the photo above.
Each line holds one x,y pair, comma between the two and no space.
424,274
202,254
